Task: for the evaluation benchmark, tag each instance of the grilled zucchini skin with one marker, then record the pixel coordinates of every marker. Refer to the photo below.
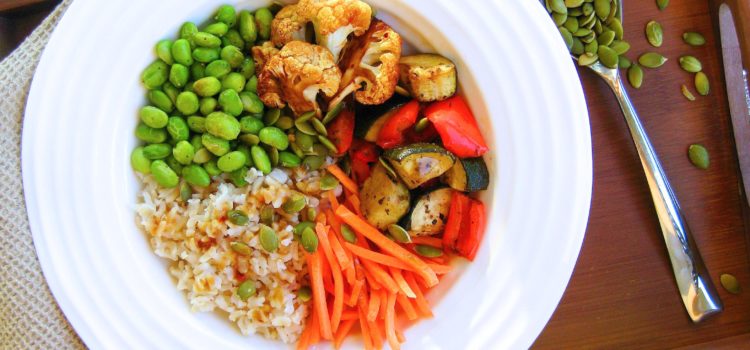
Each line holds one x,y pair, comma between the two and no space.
384,199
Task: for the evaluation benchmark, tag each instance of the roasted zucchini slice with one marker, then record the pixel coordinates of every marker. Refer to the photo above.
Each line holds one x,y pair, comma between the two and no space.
428,77
419,162
384,198
430,212
371,118
467,175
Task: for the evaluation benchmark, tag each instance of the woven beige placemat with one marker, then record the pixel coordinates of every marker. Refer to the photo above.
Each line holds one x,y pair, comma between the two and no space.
29,315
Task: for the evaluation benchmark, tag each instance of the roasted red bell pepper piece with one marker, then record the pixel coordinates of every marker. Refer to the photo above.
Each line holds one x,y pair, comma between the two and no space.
429,134
364,151
392,133
341,130
472,231
458,209
360,170
457,127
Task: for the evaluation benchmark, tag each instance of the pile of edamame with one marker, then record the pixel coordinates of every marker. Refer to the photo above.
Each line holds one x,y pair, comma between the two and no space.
204,117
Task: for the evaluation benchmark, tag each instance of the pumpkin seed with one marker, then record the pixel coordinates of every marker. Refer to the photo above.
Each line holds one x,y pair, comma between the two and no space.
652,60
730,283
241,248
237,217
304,141
573,3
309,240
567,37
662,4
571,24
312,213
422,124
267,214
701,83
654,33
306,116
328,182
620,47
698,155
635,76
690,64
616,26
587,59
559,18
606,38
273,155
388,168
613,11
558,6
302,226
582,32
623,62
328,143
295,148
314,162
285,123
305,127
399,233
271,116
575,12
246,290
607,57
319,126
576,50
304,293
185,191
693,39
598,28
602,8
268,239
592,47
428,251
348,234
685,92
294,203
587,9
333,112
401,91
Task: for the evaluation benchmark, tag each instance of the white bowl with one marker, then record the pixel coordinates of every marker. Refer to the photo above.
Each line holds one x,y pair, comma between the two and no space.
80,191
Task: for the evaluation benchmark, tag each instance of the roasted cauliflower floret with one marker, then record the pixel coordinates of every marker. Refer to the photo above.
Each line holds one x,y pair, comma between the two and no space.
370,66
333,21
296,74
263,53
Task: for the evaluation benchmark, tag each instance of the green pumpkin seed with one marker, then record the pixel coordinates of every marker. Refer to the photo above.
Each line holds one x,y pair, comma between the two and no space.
333,112
304,141
635,76
693,39
246,290
652,60
573,3
311,213
269,240
273,155
607,57
662,4
690,64
602,8
309,240
241,248
314,162
620,47
571,24
592,47
581,32
616,26
575,12
302,226
428,251
598,27
606,38
348,234
328,144
295,203
654,33
319,126
685,92
399,233
558,6
328,182
284,123
587,59
305,127
304,293
623,62
267,214
237,217
388,168
422,124
701,83
567,37
271,116
587,9
297,150
730,283
401,91
698,155
185,191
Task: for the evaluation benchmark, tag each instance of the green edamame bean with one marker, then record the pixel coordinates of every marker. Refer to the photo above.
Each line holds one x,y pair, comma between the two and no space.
186,192
204,39
234,81
159,99
244,149
263,19
232,37
252,84
230,102
202,156
178,129
139,162
231,161
314,162
251,103
181,52
238,177
207,86
155,74
196,124
197,70
247,28
163,174
218,68
196,142
251,125
183,152
247,68
179,75
222,125
246,290
215,145
274,137
211,168
157,151
205,54
260,159
187,30
226,14
164,51
273,155
208,105
196,175
171,91
233,55
189,87
173,164
148,134
153,117
249,139
271,116
187,103
218,29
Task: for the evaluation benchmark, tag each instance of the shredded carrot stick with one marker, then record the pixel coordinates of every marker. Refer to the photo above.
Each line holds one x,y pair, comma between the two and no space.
366,339
341,176
338,279
371,281
390,322
341,256
381,276
422,304
373,307
381,259
314,337
376,333
440,269
400,336
332,199
304,340
399,278
426,240
408,308
356,289
393,248
319,294
355,203
383,295
349,314
344,329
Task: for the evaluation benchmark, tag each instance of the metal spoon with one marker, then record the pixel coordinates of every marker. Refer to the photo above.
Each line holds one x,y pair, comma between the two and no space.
693,281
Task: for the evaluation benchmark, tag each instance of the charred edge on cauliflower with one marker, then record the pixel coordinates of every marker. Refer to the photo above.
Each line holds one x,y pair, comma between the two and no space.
263,53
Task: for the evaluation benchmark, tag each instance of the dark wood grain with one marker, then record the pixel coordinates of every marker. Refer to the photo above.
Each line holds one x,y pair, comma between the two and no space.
622,293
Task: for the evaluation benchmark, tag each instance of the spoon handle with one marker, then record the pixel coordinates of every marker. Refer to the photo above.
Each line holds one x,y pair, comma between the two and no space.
694,283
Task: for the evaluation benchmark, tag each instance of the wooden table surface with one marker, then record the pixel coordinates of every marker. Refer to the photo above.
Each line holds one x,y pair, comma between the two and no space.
622,293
